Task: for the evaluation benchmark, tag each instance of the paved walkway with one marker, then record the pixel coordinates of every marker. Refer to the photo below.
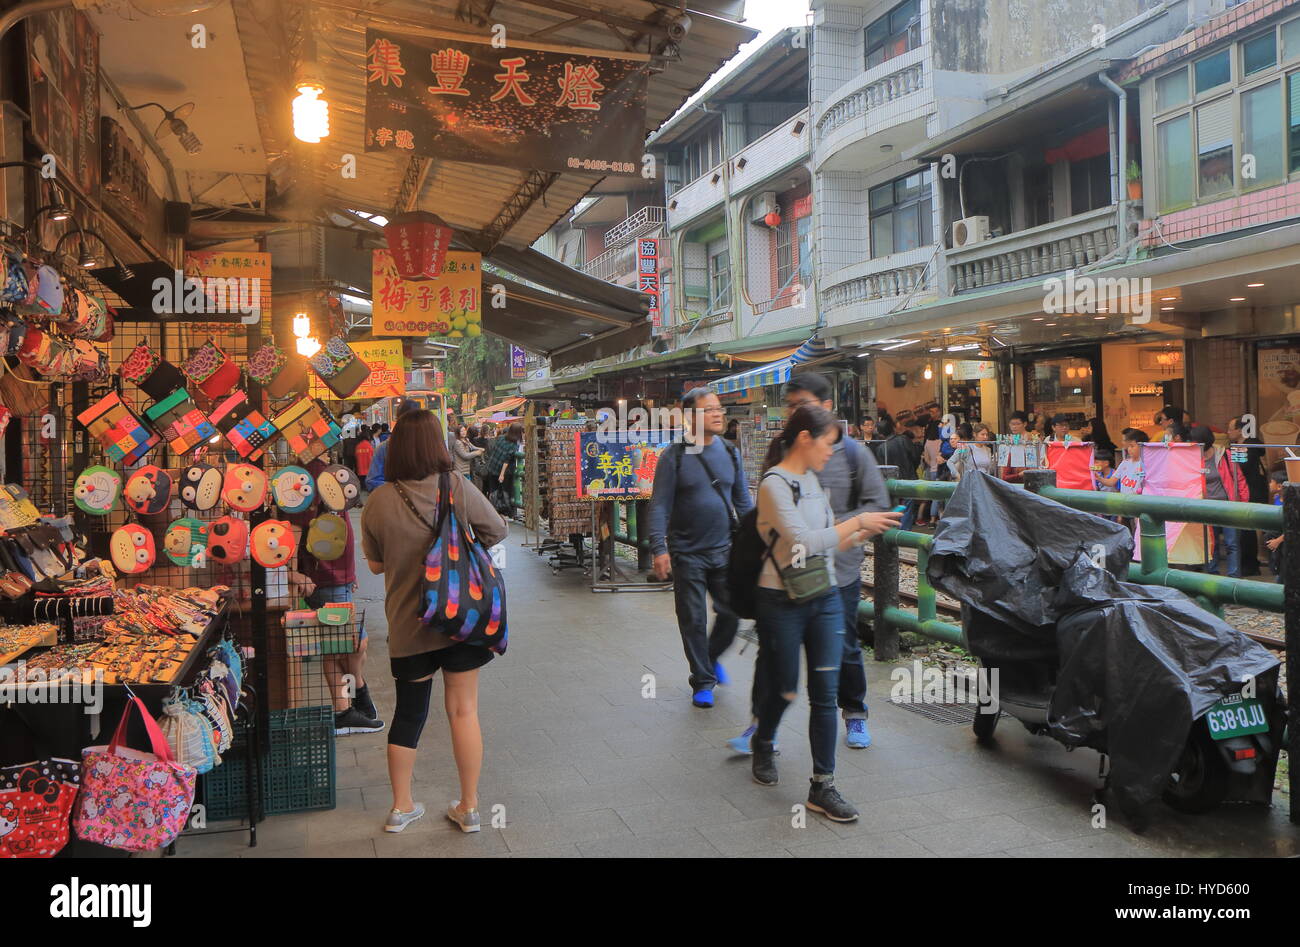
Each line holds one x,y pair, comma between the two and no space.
584,766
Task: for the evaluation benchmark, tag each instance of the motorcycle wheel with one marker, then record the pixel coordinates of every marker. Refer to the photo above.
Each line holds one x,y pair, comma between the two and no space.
984,724
1200,780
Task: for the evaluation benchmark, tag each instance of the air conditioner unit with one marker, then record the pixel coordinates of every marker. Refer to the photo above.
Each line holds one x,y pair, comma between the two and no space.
969,231
764,204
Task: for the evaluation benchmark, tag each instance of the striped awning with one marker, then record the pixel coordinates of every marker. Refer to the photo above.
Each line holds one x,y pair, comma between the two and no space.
774,373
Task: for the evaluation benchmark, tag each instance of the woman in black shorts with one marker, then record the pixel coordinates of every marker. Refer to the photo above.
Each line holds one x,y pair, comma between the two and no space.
394,541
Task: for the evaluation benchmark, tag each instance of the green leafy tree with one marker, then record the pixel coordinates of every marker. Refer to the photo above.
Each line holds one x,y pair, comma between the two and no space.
481,363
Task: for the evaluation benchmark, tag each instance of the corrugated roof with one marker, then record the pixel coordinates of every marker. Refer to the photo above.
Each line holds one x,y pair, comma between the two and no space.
468,196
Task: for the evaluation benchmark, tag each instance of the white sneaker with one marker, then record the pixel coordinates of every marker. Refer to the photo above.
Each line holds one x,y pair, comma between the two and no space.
468,821
398,820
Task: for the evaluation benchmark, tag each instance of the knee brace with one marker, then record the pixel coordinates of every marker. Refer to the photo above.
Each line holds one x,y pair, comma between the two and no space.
411,712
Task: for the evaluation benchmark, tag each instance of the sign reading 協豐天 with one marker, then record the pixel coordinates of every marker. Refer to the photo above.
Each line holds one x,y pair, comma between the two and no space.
522,105
647,270
387,371
450,305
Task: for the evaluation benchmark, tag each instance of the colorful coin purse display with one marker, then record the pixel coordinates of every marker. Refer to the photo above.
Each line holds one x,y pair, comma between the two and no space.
125,437
338,487
339,368
182,424
276,370
292,489
151,373
132,549
272,543
246,428
186,542
201,487
309,427
245,487
211,370
227,540
96,490
149,490
327,537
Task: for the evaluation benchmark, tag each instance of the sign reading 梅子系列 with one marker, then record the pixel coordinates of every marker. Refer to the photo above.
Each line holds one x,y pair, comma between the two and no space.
521,105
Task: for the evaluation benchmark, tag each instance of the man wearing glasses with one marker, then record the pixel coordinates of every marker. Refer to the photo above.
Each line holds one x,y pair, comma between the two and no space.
699,496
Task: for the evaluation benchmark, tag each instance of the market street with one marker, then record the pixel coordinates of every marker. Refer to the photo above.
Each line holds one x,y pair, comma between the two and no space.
586,767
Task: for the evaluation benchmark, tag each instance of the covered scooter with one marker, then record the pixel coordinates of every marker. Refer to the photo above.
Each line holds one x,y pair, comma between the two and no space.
1185,705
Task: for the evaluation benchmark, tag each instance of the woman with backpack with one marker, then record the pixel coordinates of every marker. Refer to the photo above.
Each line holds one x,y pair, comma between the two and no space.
798,602
396,536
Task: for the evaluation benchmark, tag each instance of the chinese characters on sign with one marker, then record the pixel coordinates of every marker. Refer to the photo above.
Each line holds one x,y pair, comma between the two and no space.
459,99
450,305
618,465
235,282
387,371
518,366
647,269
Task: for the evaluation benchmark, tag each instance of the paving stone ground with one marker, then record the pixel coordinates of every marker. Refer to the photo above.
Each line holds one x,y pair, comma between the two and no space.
580,764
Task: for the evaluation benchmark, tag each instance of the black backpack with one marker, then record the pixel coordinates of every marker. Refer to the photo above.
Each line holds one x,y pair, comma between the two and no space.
746,560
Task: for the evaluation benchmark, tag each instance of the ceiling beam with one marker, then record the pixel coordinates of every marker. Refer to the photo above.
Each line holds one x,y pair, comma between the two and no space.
535,185
610,19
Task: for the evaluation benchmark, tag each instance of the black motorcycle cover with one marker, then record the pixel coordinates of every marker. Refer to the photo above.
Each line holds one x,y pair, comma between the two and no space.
1135,664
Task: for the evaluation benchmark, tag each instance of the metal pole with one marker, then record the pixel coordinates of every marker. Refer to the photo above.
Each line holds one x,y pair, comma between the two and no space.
885,592
1291,578
644,561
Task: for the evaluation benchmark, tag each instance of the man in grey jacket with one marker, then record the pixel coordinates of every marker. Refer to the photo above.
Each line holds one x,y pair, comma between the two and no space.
854,484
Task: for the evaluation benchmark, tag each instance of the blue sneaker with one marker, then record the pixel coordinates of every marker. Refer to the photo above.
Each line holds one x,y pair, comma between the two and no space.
741,744
703,698
721,674
858,738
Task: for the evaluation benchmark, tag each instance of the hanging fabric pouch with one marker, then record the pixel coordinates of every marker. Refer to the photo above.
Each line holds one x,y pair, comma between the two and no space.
125,437
132,549
211,370
339,368
96,490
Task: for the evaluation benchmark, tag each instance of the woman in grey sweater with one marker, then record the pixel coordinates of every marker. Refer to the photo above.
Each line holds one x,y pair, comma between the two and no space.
795,518
464,451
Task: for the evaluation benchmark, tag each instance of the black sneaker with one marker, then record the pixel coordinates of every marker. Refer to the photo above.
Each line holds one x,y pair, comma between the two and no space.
764,766
823,797
364,704
354,721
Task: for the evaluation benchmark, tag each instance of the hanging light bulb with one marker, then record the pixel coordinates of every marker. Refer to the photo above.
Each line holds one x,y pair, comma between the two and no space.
928,373
948,369
311,113
301,325
308,347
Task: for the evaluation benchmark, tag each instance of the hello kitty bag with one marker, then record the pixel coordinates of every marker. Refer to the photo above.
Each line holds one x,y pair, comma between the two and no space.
134,801
36,807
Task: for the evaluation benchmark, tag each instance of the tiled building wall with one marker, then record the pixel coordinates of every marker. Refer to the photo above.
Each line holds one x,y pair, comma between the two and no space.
836,53
1235,213
841,228
1218,382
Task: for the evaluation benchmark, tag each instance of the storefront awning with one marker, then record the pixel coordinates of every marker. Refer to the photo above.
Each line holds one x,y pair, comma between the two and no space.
544,322
508,406
775,373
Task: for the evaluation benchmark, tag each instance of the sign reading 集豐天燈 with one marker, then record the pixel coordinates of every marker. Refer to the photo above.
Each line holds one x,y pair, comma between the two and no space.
450,305
521,105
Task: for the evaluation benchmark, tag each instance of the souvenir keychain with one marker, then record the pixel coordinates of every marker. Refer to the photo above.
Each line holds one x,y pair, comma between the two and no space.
97,489
149,490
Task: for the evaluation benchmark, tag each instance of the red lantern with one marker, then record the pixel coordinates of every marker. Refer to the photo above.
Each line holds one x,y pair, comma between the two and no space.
418,242
772,219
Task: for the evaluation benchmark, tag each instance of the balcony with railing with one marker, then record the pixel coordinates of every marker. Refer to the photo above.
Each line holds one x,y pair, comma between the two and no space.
1039,251
635,225
615,265
883,284
894,93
